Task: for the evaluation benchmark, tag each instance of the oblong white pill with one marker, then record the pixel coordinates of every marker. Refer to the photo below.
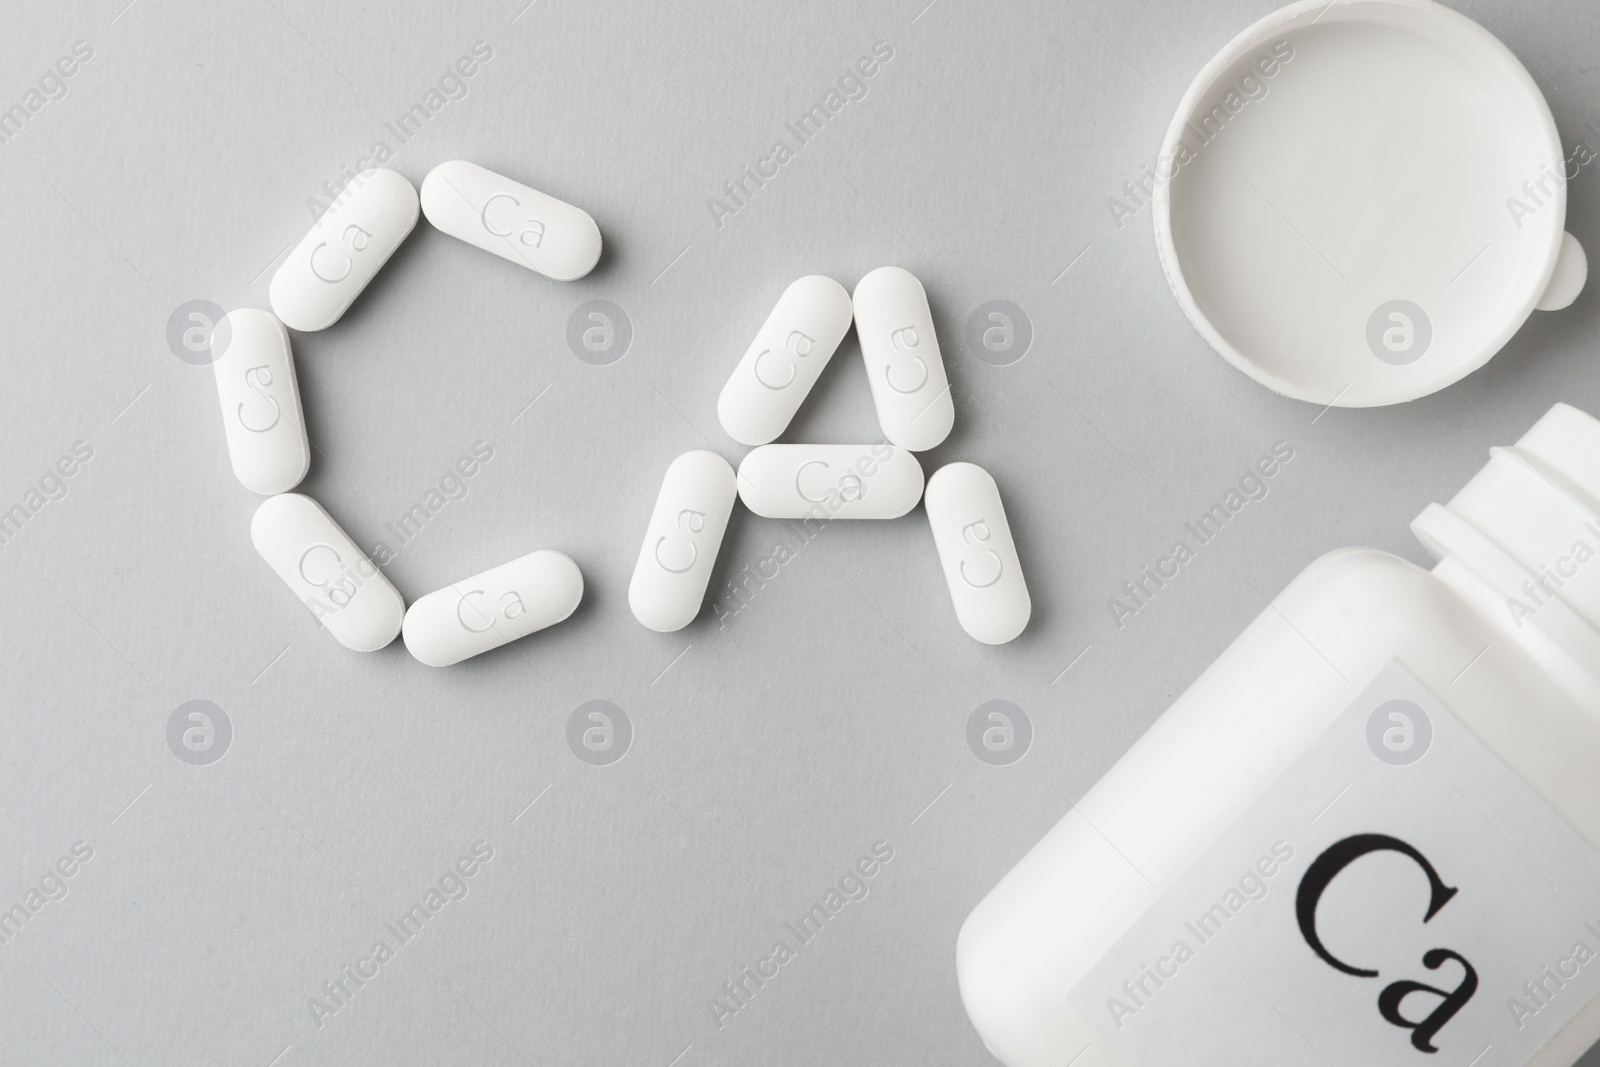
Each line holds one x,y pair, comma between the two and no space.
977,554
261,414
513,600
785,360
496,214
680,546
324,568
904,367
344,250
830,481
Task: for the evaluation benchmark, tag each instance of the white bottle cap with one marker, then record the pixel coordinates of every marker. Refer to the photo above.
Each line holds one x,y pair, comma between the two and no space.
1359,202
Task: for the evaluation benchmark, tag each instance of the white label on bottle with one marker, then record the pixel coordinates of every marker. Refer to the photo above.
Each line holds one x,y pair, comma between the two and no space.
1398,897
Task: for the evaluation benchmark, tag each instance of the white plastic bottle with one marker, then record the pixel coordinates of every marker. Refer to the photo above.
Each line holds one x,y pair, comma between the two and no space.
1366,835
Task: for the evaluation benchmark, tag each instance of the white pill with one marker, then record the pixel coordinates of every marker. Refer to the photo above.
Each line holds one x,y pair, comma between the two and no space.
513,600
975,548
904,368
261,414
680,546
496,214
785,360
353,238
830,481
324,568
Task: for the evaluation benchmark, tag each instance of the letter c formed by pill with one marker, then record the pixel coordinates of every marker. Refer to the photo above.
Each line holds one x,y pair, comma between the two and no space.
261,414
355,237
323,567
527,227
477,614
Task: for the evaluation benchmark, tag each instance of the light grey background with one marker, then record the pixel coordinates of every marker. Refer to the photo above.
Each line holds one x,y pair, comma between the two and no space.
768,755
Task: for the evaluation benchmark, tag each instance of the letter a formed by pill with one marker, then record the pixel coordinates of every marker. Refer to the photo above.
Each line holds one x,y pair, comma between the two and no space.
470,617
976,551
324,568
344,250
904,368
830,481
785,360
261,415
496,214
681,543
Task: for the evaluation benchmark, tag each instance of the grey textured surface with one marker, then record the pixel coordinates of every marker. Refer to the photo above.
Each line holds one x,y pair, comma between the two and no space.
768,754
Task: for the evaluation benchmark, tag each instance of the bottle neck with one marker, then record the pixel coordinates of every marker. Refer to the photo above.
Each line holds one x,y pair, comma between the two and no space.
1521,545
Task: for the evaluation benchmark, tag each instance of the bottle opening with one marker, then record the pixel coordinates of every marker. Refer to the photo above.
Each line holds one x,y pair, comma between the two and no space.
1521,542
